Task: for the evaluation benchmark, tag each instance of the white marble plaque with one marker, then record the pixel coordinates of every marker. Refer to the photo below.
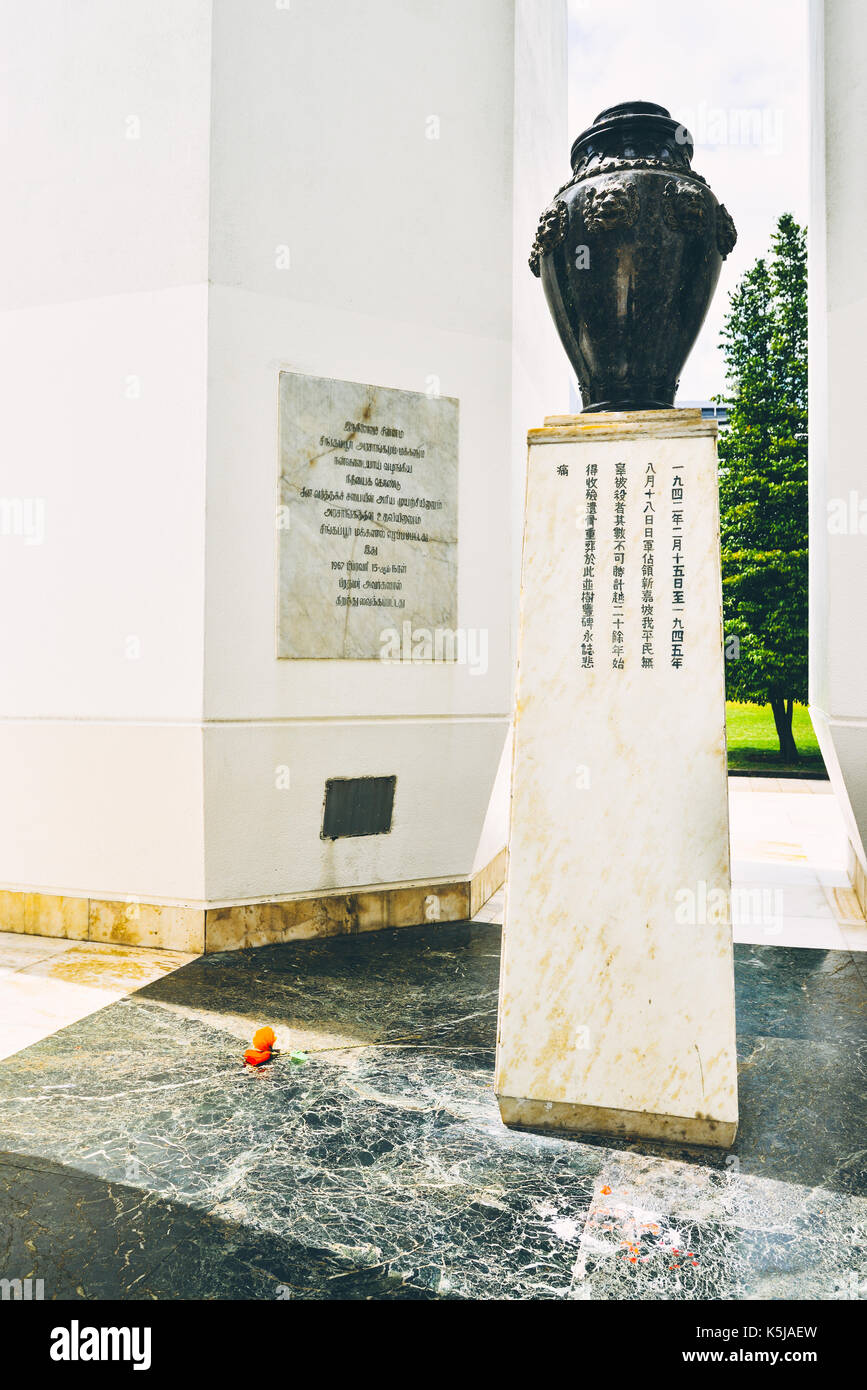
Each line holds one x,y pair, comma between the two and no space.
617,999
367,518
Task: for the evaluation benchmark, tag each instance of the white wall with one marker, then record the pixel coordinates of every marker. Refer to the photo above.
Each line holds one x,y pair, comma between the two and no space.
103,363
540,370
158,156
838,364
402,255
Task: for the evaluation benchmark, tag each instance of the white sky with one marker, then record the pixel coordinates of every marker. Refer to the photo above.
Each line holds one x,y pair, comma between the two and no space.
709,63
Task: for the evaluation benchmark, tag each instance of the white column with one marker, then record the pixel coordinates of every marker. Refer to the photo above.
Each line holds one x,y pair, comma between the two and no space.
103,439
329,190
838,363
363,182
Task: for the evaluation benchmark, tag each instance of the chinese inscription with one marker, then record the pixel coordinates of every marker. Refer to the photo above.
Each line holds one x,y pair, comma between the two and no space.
638,530
647,614
677,571
619,567
591,498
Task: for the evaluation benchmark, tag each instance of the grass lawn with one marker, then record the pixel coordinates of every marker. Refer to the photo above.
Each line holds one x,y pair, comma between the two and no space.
753,742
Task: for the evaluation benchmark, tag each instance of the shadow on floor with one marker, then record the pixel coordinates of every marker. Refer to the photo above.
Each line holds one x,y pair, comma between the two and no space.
380,1167
121,1242
801,1026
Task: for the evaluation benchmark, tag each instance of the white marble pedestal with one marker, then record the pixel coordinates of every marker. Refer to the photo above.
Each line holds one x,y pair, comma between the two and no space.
616,992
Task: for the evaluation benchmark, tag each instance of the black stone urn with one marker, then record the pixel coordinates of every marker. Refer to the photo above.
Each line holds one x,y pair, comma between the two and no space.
629,253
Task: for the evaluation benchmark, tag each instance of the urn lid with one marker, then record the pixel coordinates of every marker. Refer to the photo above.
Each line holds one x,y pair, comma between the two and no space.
634,130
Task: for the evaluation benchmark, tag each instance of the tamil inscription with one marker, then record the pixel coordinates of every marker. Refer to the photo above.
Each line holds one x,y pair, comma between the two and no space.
367,516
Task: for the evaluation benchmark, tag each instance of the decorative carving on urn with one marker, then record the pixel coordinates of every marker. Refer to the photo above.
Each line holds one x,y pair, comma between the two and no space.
726,235
553,226
610,204
684,205
629,311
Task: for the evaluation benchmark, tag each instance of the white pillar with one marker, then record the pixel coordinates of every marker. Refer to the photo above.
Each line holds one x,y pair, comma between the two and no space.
332,190
616,990
838,364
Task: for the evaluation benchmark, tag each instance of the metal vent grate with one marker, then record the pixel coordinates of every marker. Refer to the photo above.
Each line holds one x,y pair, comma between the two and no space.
357,806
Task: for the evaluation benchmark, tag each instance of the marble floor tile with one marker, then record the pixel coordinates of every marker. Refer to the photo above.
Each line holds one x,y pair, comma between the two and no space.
18,951
40,1001
855,937
16,1035
142,1161
493,908
47,983
820,932
806,867
791,992
788,899
764,871
114,968
836,878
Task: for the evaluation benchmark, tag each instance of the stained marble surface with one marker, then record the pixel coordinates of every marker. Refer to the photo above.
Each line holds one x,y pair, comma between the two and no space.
616,1003
368,520
140,1160
47,982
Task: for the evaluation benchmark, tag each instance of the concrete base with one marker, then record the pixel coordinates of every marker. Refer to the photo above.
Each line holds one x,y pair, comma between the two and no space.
235,926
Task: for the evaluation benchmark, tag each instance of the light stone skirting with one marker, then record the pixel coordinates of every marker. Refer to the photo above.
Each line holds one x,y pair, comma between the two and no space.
598,1119
859,880
236,926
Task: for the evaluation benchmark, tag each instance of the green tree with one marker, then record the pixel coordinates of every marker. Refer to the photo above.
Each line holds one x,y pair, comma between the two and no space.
763,482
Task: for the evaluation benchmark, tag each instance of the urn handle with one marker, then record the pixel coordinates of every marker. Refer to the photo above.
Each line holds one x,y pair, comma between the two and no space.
726,232
553,226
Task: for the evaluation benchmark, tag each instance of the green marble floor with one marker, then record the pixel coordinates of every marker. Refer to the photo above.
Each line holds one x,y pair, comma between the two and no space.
142,1161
